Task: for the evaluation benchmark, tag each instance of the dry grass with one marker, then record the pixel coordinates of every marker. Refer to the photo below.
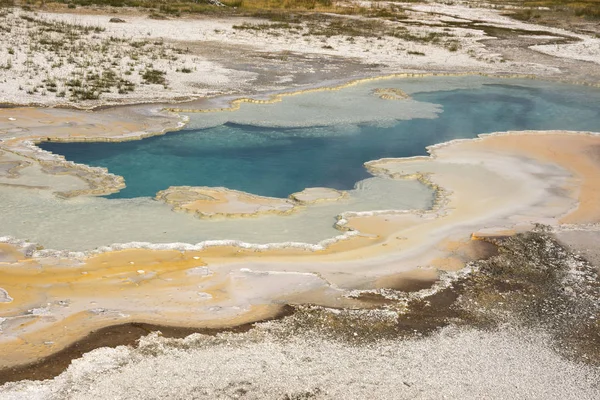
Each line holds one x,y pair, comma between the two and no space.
542,10
233,7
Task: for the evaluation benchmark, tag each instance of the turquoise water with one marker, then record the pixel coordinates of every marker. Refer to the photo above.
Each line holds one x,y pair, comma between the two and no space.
331,137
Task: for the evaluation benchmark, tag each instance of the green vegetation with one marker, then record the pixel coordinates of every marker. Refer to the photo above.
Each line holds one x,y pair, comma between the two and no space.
452,45
329,25
71,30
262,27
546,10
93,85
342,26
69,60
160,9
153,76
431,37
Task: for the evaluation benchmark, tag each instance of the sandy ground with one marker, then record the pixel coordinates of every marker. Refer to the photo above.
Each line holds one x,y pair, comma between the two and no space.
466,364
582,240
226,56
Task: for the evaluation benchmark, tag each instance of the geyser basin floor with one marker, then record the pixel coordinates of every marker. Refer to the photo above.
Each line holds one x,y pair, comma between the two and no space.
498,183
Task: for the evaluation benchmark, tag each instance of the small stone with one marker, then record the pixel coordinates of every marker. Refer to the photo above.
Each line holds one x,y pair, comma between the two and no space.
117,20
4,297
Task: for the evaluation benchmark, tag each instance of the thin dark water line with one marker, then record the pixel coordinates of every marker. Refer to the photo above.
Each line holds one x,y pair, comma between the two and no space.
531,295
113,336
422,318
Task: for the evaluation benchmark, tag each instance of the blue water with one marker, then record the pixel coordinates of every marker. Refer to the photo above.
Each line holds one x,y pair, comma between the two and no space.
280,161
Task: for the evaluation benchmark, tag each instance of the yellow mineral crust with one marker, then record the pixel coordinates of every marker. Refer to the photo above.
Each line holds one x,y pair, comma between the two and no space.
54,305
10,169
211,202
391,94
577,153
318,195
275,98
207,202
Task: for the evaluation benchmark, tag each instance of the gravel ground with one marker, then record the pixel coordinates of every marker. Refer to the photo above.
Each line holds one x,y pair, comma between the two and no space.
583,242
466,364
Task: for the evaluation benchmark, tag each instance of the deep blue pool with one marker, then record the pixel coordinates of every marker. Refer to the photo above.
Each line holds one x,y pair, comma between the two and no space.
279,161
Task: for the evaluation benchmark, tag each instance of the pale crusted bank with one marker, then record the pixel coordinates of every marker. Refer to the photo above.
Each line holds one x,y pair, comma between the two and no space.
318,195
20,128
208,202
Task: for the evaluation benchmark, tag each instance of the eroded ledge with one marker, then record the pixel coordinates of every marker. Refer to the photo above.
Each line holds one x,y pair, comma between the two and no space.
207,202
